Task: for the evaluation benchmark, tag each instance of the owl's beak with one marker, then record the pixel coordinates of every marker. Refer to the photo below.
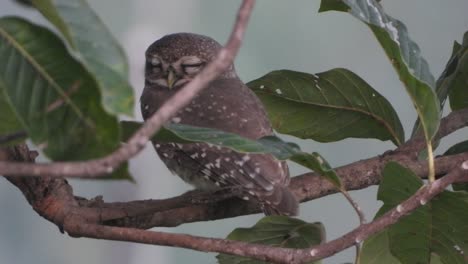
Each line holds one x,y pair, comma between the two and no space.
171,79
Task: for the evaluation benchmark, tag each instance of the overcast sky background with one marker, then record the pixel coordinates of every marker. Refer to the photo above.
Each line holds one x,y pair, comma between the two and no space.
281,35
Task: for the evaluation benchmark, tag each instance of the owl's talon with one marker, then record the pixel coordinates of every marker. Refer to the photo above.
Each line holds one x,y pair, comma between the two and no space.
197,197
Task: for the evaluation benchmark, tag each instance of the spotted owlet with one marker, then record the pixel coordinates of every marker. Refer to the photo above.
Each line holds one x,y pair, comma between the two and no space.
227,104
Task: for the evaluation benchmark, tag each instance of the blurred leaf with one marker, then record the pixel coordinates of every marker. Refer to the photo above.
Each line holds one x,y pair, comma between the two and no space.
26,3
446,78
278,231
180,133
458,148
9,124
404,54
53,96
436,230
457,76
95,47
328,106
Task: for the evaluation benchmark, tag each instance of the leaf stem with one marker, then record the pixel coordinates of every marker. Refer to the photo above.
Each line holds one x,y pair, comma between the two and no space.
357,260
430,157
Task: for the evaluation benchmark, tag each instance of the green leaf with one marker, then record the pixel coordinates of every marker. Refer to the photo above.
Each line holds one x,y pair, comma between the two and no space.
53,96
445,79
434,233
376,250
95,47
456,76
458,148
328,106
180,133
278,231
25,3
404,54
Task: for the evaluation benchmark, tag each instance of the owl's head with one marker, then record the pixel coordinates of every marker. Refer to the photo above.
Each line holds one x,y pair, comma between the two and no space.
175,59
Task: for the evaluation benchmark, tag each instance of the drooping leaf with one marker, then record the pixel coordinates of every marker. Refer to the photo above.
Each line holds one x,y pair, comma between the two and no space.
434,233
52,95
95,47
180,133
403,53
328,106
278,231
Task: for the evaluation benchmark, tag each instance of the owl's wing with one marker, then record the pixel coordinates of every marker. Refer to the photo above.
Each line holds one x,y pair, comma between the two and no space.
260,176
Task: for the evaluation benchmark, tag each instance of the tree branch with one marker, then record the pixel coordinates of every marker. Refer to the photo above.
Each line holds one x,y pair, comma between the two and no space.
106,165
61,208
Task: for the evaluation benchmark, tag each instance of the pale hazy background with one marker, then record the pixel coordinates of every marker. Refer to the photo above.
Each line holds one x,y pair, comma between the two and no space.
281,35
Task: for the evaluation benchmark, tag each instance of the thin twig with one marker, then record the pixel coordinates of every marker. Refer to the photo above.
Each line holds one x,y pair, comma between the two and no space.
12,137
106,165
356,207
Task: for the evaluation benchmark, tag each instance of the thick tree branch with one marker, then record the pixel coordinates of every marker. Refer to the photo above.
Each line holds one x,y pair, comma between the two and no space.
306,187
60,206
106,165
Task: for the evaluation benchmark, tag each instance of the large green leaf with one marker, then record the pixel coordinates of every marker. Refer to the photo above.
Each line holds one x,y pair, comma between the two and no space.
278,231
53,96
404,54
436,232
95,47
180,133
328,106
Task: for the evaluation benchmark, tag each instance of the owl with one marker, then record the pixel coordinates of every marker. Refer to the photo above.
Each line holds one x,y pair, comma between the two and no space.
227,104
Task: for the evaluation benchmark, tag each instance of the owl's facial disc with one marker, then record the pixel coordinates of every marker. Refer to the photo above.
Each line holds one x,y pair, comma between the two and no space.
175,74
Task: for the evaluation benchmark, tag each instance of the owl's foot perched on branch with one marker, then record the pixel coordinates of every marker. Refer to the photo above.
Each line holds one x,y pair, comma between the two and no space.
214,196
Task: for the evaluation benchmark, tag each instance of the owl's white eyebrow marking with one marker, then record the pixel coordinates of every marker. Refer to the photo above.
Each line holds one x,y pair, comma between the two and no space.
155,61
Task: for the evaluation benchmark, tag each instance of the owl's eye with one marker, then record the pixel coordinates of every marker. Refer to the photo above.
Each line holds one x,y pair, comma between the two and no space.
156,68
155,64
192,68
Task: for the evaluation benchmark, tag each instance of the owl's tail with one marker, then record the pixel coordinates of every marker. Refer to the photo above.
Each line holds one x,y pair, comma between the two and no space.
281,202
